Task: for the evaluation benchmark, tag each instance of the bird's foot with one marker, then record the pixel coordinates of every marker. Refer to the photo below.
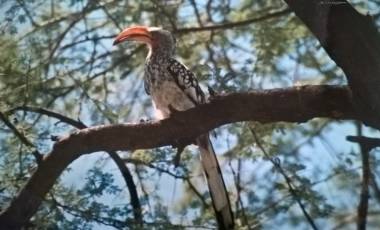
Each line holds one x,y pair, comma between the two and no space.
55,138
212,93
143,120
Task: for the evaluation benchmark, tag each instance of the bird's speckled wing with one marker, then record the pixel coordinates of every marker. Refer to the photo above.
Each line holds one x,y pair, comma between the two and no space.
186,80
188,83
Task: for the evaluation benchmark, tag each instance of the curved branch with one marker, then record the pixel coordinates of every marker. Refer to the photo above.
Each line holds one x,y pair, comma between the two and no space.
21,137
296,104
49,113
135,202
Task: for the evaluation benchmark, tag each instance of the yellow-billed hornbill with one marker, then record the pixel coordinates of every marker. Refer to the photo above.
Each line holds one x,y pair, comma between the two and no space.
172,86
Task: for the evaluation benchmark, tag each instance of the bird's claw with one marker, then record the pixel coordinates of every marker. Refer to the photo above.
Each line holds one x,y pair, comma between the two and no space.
212,93
55,138
142,120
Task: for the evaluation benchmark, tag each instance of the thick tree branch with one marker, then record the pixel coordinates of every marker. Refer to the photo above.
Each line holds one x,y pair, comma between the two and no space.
296,104
115,157
353,42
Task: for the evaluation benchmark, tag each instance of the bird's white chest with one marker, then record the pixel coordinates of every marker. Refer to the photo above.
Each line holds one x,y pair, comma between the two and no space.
168,94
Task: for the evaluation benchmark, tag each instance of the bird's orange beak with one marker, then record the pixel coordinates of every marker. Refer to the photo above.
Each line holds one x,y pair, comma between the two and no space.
135,33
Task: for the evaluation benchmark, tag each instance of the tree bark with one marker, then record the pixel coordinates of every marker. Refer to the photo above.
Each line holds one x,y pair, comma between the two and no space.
353,42
296,104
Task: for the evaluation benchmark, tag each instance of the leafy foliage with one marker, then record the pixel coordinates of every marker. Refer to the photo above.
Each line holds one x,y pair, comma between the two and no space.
58,55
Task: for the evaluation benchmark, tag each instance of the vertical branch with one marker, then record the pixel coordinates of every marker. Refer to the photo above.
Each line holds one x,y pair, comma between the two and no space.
366,172
364,194
366,144
375,187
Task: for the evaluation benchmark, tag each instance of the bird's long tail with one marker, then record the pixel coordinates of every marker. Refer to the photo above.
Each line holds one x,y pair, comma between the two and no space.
216,185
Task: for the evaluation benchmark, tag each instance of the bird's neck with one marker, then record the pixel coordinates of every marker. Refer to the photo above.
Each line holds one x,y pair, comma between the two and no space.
157,53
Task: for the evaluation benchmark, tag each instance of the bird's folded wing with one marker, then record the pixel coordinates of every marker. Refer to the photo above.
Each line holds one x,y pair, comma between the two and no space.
186,80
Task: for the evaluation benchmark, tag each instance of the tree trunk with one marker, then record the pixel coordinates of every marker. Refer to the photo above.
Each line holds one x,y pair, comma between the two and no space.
353,42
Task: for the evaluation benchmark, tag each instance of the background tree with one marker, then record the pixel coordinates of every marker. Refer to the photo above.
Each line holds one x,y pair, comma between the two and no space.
59,72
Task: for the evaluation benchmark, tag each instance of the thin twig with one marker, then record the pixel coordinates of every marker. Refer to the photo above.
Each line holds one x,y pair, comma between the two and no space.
107,221
176,176
231,25
288,181
21,137
375,187
73,16
49,113
27,13
118,161
197,193
236,176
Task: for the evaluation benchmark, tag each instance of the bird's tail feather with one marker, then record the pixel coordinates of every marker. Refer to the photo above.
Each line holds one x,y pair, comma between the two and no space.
216,185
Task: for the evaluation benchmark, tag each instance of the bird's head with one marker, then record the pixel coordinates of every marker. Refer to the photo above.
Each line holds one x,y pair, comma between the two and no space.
155,38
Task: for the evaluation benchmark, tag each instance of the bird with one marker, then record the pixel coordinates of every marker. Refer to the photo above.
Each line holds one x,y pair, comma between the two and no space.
173,87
